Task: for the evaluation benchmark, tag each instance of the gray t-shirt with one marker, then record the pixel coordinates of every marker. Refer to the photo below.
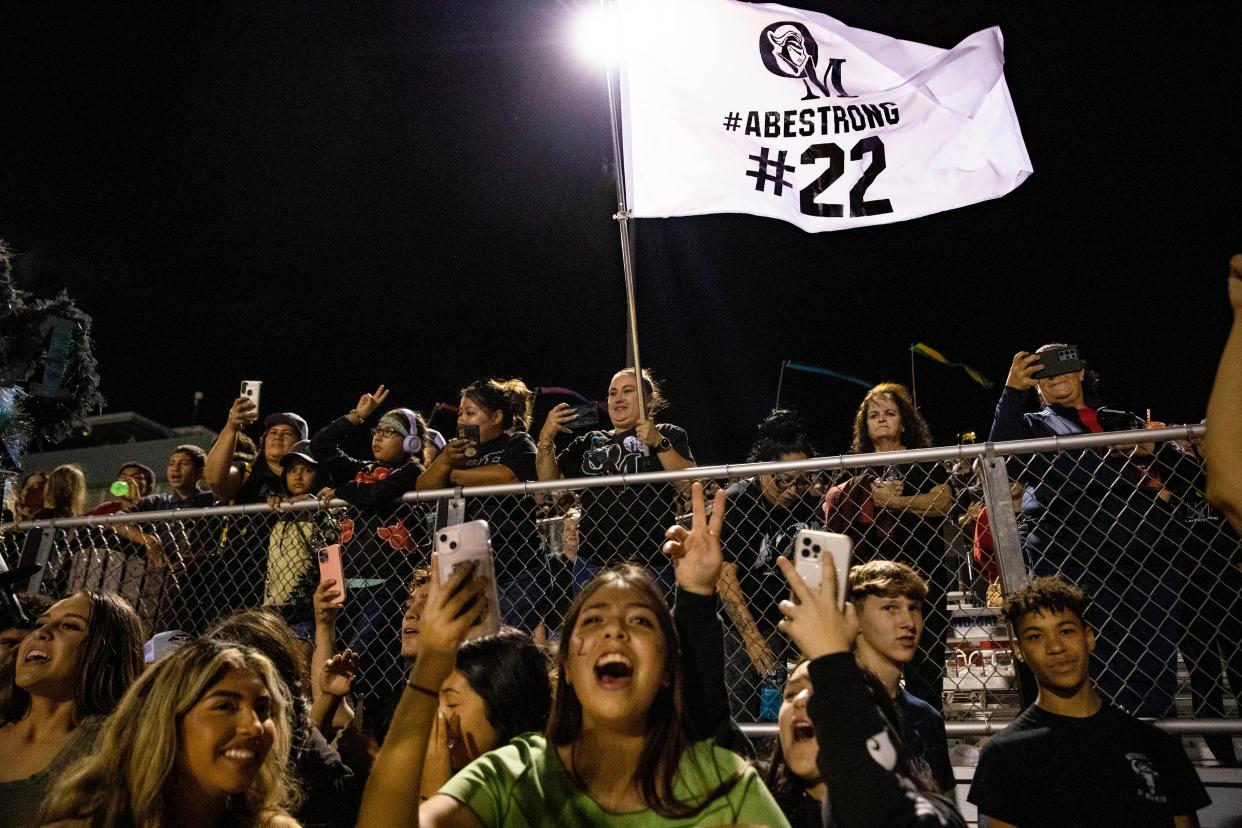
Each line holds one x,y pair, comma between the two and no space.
23,798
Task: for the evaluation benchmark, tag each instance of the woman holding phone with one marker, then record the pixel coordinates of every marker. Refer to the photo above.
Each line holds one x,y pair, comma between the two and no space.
619,743
620,524
492,447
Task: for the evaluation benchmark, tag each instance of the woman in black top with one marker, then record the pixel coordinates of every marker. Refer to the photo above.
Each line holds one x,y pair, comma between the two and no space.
504,453
766,511
898,513
620,524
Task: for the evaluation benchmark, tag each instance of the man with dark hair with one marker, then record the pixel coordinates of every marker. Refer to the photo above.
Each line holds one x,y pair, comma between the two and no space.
139,482
889,598
185,470
1072,758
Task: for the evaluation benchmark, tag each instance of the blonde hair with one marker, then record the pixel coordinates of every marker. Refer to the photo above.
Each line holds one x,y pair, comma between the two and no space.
65,491
128,779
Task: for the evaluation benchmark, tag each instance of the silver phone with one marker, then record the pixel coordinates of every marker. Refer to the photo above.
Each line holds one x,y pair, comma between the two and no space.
810,547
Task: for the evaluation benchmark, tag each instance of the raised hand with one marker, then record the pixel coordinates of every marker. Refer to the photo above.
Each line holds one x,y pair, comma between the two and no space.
646,431
559,418
327,603
816,624
367,403
1235,283
453,606
242,413
336,676
1023,370
695,552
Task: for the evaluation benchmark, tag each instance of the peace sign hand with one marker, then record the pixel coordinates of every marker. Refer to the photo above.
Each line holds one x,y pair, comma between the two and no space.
367,403
696,553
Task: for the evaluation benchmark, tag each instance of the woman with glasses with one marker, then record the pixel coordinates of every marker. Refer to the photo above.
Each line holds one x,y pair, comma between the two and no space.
384,539
765,512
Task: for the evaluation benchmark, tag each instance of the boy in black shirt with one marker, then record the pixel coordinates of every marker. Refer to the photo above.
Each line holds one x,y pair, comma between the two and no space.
889,598
1071,758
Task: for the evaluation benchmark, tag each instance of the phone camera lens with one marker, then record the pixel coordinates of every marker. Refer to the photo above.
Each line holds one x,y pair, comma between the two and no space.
443,538
806,553
453,545
806,541
816,548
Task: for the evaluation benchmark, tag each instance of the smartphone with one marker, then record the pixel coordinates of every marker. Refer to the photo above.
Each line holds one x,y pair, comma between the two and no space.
250,390
461,543
586,415
1058,361
810,547
330,567
471,433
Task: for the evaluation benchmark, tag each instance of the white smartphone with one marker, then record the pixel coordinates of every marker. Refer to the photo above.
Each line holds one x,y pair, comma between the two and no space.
456,545
810,547
250,390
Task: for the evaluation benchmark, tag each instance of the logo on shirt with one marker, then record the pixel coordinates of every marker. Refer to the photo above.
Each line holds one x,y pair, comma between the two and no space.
612,458
1146,771
788,49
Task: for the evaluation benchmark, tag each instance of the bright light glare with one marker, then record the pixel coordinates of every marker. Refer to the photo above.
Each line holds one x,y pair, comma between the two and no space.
596,35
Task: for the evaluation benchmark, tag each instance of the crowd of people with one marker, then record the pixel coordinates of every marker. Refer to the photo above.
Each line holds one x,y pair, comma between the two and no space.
298,699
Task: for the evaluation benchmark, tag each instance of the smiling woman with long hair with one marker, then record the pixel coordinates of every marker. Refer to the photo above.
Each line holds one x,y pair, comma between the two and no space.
71,671
201,739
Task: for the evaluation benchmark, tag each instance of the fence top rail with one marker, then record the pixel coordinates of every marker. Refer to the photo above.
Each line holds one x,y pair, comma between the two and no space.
840,462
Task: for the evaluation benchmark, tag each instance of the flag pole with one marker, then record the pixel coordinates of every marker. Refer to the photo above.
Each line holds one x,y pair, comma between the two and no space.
622,217
914,388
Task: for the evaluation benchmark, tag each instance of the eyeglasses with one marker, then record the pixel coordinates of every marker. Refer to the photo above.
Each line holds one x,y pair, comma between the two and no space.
386,433
788,480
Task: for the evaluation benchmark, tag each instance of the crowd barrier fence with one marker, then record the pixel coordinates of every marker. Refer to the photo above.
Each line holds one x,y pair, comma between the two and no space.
1122,514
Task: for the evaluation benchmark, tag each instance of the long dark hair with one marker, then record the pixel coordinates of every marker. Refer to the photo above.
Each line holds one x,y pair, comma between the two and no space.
510,674
915,433
109,660
510,397
667,736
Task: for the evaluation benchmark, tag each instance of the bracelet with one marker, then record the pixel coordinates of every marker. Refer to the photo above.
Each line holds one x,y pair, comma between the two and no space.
422,689
550,447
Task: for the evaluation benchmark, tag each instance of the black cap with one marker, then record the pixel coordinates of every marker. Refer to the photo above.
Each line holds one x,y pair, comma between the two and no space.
300,453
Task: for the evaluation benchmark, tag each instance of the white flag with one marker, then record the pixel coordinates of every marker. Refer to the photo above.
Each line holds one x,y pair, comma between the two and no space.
730,107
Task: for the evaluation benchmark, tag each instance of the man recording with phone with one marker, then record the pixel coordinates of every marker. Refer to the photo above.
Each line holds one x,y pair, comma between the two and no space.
1097,517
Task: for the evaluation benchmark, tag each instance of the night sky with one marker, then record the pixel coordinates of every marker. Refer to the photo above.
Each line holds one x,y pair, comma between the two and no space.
330,195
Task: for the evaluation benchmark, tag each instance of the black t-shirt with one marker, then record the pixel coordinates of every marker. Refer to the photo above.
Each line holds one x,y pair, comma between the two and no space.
756,531
622,523
511,519
1106,769
926,737
892,534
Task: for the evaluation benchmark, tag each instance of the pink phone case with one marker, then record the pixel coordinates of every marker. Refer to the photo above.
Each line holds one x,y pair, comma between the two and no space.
330,567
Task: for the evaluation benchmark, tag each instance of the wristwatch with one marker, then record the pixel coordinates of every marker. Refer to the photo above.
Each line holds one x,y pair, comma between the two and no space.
663,445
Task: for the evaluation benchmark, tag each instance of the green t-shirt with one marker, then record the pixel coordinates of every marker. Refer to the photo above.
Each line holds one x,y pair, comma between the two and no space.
524,784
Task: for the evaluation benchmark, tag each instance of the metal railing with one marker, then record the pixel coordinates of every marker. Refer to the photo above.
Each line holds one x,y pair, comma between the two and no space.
1120,513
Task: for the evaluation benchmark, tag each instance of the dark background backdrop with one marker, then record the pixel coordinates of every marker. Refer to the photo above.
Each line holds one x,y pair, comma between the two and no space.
330,195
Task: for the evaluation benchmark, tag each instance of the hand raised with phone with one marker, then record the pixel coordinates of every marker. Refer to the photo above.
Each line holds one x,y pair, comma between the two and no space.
816,624
242,413
453,607
1023,370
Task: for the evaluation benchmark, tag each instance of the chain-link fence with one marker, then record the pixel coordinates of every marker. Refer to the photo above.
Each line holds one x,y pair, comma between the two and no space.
1125,519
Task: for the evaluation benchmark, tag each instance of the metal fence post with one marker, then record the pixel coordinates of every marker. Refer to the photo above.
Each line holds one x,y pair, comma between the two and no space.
450,511
1004,525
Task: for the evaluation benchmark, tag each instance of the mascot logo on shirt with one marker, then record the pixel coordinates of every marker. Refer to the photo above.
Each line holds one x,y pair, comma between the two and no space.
1146,771
788,49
